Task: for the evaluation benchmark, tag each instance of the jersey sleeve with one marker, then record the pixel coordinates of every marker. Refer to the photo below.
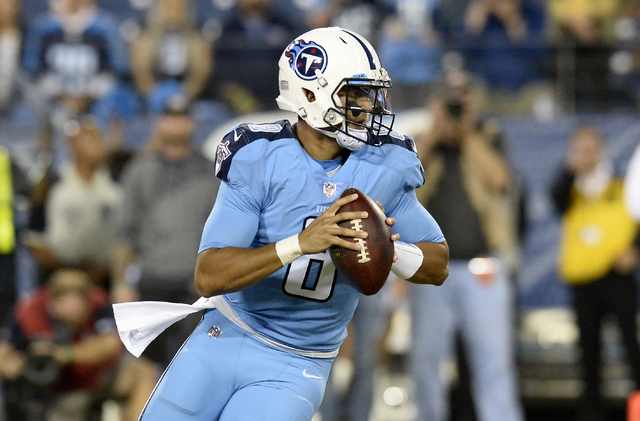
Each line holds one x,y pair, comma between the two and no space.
241,159
233,221
413,222
415,173
244,145
400,156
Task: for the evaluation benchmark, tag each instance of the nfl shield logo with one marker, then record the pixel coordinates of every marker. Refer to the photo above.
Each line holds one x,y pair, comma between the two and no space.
329,189
214,332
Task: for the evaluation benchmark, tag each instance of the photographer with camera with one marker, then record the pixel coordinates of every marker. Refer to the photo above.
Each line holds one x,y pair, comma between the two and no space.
468,189
61,355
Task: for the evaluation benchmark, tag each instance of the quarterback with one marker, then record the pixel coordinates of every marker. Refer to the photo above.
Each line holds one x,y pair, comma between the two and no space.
281,313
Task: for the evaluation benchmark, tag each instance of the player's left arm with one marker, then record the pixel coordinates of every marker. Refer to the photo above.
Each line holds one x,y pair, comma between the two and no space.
422,254
423,262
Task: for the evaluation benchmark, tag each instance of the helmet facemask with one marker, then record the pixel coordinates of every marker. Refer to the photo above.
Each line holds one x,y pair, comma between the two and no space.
361,113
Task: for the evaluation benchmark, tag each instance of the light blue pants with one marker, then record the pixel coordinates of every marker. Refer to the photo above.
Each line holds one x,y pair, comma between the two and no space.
236,377
481,310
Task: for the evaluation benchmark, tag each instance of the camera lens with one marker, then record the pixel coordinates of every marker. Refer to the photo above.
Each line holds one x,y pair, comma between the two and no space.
455,108
41,370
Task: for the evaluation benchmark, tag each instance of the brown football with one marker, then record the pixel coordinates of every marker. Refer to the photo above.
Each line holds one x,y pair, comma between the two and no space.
367,270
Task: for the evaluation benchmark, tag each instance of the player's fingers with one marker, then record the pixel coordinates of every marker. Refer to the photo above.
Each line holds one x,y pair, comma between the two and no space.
380,206
346,232
348,216
340,203
395,237
390,221
351,245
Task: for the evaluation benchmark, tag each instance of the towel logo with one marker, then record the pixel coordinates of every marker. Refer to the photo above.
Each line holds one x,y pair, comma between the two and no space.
214,332
133,336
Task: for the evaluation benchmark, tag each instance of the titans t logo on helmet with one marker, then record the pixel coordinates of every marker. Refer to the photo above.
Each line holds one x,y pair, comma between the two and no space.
305,58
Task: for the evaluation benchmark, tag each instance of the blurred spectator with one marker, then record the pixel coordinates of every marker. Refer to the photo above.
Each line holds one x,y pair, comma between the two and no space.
597,258
61,355
411,50
76,56
503,43
362,354
247,53
82,209
632,185
169,193
467,190
10,50
170,56
361,16
583,34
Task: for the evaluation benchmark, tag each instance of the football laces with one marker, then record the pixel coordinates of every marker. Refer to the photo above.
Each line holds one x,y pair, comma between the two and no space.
363,255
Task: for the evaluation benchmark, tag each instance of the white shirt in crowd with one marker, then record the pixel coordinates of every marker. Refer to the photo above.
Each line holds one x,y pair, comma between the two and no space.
632,185
82,218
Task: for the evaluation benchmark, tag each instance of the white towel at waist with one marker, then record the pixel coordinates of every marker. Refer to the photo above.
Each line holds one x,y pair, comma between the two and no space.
140,322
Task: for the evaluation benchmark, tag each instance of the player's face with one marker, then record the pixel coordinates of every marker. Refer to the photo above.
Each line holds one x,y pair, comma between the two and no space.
356,99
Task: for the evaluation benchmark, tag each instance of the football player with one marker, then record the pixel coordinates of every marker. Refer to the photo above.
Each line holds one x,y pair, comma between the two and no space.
281,312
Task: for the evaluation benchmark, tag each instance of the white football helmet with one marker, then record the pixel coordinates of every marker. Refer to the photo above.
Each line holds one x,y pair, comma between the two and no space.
323,61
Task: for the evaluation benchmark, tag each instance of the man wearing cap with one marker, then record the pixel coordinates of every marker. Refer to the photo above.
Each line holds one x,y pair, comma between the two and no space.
169,192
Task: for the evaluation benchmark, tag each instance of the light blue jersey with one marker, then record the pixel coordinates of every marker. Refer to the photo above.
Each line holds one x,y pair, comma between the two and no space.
271,190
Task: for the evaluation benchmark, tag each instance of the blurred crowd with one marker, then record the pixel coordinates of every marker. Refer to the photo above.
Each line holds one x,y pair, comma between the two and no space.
121,59
107,223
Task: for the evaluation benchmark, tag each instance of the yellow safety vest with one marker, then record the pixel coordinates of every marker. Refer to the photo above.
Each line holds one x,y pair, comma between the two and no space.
594,233
7,229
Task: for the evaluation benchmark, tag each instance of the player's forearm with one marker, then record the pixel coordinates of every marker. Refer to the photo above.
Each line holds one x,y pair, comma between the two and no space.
435,266
231,269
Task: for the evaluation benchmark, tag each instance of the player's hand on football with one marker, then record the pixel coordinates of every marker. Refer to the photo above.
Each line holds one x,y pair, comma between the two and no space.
391,222
324,231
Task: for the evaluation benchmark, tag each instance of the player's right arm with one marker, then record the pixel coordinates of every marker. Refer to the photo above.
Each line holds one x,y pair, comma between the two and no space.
232,266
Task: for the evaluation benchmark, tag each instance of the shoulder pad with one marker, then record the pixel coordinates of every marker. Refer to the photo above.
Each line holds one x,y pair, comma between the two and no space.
406,142
244,134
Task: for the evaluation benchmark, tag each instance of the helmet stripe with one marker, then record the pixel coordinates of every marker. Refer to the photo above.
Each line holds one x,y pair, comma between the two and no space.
372,65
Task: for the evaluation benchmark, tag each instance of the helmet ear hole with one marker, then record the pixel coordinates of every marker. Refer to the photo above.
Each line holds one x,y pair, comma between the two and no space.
311,97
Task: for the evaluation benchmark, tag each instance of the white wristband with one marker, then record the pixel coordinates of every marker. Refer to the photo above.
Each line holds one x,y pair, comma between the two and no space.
409,260
288,249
